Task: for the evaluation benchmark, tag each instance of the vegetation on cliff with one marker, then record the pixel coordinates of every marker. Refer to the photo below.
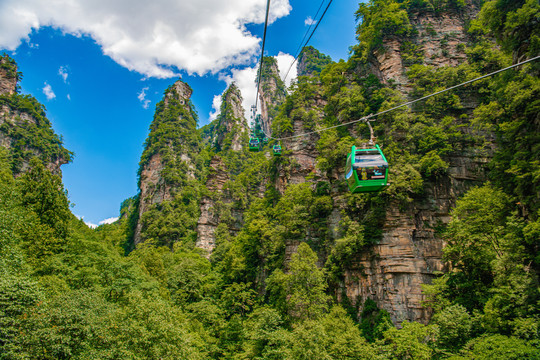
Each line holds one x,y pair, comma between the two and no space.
274,286
24,126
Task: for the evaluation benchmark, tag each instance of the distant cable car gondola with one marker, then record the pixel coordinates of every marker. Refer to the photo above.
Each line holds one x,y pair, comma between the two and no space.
254,144
367,170
277,150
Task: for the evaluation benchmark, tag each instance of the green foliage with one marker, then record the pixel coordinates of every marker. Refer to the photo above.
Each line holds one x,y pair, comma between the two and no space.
227,128
174,220
313,61
374,321
42,195
265,336
67,291
513,23
411,54
475,237
498,347
82,325
13,218
17,295
268,76
360,227
30,133
379,19
412,341
299,105
515,167
455,327
173,134
10,67
437,6
271,85
260,245
334,336
491,275
300,292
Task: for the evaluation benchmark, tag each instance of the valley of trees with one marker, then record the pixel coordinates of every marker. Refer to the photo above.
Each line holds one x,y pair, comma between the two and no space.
71,292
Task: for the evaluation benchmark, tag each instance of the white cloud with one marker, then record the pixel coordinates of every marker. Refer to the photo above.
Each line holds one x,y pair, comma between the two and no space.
309,21
284,62
142,98
150,37
63,72
48,91
216,105
89,224
245,81
108,221
68,97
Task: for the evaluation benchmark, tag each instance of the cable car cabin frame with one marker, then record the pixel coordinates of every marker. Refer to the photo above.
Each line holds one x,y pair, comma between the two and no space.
253,144
277,150
367,170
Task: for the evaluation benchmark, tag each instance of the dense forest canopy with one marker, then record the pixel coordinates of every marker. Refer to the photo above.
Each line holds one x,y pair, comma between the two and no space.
71,292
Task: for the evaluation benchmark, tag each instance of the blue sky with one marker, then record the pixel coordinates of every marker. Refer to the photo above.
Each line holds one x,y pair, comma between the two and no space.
100,74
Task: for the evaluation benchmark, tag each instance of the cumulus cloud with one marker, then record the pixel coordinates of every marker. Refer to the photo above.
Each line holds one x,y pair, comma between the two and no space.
89,224
284,63
142,98
150,37
309,21
216,106
63,72
48,91
245,81
108,221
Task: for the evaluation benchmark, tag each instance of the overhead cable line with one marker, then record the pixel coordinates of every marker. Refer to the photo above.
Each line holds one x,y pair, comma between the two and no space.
300,47
262,52
368,117
313,32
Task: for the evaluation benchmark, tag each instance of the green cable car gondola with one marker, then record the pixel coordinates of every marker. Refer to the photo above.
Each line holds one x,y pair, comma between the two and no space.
253,144
367,170
277,150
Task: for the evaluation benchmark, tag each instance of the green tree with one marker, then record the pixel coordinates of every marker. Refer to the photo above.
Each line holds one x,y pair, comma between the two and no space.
412,341
18,294
374,321
379,19
498,347
43,196
475,236
303,286
455,327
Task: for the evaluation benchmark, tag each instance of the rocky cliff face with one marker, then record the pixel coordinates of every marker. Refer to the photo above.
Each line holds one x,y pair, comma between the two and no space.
24,128
271,92
409,252
231,128
229,135
8,76
167,161
217,208
436,39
